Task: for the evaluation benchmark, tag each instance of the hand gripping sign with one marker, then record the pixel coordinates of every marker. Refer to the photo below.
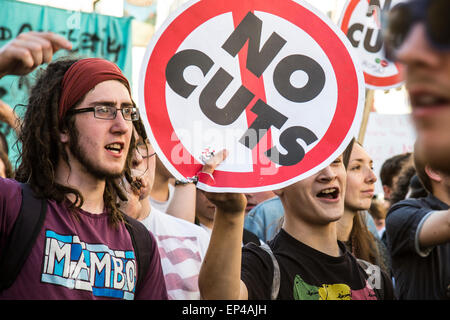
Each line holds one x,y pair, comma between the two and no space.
273,82
361,22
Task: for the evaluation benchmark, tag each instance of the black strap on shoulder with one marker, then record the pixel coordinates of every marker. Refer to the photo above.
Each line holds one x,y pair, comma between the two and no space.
22,237
142,244
276,272
28,225
249,236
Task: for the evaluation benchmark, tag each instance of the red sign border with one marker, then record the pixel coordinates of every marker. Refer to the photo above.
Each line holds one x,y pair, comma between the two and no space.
170,38
372,81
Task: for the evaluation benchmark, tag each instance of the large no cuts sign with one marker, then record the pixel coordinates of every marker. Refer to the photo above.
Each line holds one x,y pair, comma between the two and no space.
273,82
361,22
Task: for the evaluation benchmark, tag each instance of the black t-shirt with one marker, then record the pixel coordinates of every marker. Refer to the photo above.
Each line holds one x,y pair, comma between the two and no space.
306,274
420,273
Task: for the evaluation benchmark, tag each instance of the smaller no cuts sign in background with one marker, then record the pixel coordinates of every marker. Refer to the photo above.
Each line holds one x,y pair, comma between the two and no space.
273,82
361,22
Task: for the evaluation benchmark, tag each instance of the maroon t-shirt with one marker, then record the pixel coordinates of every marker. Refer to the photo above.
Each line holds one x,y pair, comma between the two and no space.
84,258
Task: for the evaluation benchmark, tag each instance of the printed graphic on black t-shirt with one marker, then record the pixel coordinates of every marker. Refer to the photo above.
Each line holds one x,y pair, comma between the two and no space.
337,291
306,274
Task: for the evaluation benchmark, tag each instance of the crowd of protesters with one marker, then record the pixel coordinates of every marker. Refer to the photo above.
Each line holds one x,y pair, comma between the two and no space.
324,237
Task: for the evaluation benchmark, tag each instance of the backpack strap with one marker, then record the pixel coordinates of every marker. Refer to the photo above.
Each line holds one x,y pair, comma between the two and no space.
22,237
276,272
370,269
28,225
142,244
249,236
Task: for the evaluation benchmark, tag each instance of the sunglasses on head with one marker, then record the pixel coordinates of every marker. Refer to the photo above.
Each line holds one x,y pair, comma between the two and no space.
435,14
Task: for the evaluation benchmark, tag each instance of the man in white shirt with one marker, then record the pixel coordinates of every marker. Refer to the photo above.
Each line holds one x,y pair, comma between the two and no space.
182,244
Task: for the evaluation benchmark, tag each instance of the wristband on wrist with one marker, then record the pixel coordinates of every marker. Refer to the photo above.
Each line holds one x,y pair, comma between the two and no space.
185,181
203,177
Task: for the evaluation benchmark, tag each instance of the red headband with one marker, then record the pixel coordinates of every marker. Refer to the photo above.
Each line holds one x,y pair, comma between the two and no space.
84,75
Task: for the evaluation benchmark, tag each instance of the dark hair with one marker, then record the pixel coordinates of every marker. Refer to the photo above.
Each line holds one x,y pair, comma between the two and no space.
42,149
401,188
363,242
416,187
347,153
377,209
391,168
419,163
140,129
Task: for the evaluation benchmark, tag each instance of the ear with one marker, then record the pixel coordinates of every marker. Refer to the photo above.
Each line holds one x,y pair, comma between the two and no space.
64,136
433,174
387,191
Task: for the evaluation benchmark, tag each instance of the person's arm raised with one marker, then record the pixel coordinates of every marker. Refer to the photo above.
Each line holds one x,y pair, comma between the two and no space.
435,229
182,204
221,269
28,50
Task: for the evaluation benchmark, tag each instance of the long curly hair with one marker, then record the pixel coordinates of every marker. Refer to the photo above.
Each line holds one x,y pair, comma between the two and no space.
41,148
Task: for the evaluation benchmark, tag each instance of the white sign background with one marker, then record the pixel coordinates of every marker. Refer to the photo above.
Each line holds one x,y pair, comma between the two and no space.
388,135
196,132
378,72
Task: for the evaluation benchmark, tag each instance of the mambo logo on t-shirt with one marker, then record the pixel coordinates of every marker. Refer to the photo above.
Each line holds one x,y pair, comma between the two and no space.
74,264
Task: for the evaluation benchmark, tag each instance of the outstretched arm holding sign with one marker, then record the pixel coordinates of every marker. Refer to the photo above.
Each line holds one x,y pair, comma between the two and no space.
305,260
224,251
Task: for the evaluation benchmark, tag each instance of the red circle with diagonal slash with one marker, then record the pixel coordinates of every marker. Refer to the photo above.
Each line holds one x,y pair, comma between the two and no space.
169,38
372,81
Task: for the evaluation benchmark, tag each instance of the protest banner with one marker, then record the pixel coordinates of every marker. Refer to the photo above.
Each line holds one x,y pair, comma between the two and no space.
388,135
91,34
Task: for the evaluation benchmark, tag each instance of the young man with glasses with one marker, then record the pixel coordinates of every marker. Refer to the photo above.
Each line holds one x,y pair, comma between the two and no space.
75,144
417,35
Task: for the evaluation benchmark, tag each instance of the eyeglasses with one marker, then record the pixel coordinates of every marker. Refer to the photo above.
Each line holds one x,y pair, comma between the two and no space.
434,13
109,112
142,149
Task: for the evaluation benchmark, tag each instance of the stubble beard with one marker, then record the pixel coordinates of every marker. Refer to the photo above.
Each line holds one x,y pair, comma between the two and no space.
91,165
